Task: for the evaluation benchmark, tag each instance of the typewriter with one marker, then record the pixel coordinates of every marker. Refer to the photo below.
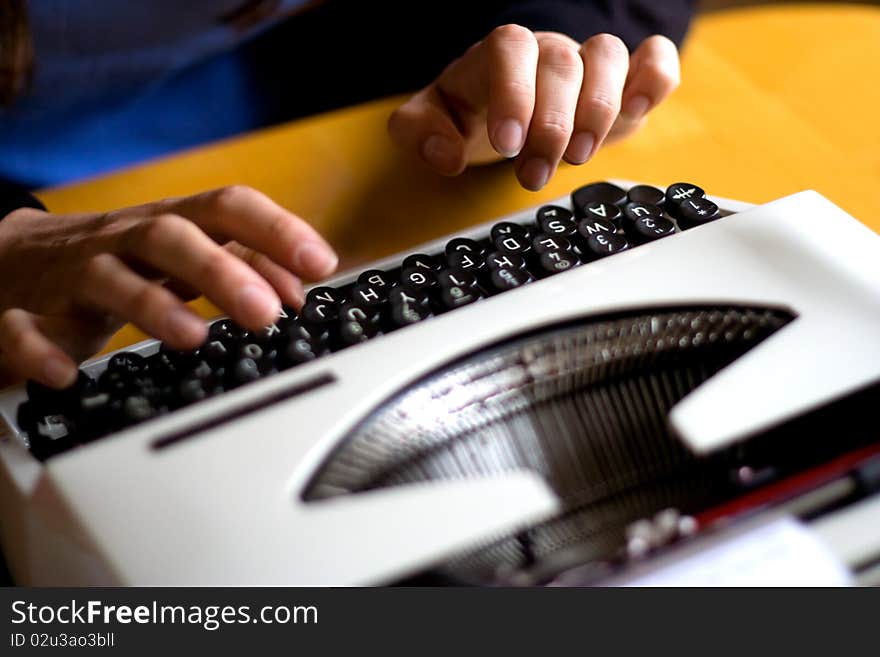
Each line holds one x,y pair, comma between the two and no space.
630,385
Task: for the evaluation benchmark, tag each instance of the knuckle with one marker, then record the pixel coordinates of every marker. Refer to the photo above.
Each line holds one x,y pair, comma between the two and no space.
511,33
603,107
96,268
561,54
608,46
146,301
669,77
161,229
215,265
233,196
556,125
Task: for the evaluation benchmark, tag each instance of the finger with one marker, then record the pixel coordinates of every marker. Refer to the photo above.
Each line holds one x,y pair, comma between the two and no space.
512,55
288,286
178,247
654,75
424,127
107,284
558,84
30,354
606,63
251,218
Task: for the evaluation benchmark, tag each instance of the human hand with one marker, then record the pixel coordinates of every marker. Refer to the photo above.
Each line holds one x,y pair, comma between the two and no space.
71,281
539,97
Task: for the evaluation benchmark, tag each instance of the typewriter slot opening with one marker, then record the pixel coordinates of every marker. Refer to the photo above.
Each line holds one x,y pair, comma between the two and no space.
583,405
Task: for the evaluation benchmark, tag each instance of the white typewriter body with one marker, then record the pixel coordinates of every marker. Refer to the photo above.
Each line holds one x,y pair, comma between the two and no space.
224,505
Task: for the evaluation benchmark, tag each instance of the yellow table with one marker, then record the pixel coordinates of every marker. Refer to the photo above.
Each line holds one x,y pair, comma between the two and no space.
773,101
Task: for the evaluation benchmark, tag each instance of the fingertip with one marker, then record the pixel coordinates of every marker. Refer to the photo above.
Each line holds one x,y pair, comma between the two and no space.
257,306
443,154
508,138
185,329
314,260
58,371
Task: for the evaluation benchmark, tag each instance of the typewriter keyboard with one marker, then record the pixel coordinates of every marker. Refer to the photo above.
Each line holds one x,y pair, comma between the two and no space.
604,219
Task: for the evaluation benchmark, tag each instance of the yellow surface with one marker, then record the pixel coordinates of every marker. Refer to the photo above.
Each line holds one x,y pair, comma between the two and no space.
773,101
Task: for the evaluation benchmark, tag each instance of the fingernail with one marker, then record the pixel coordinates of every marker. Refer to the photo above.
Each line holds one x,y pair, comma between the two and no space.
580,148
535,173
508,137
185,325
254,301
58,373
636,107
441,152
315,259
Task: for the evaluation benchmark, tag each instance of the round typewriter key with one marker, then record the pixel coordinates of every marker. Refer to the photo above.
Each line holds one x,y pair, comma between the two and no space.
696,212
406,294
369,295
418,279
632,212
456,296
189,391
554,262
420,261
561,227
226,331
137,408
589,227
319,313
351,333
377,278
456,278
648,229
298,352
678,192
513,244
508,278
325,294
467,261
506,228
602,192
599,210
646,194
243,370
603,244
463,244
498,260
356,312
406,310
543,243
553,213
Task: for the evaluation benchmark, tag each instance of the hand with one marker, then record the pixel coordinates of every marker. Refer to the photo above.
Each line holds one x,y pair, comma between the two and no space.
539,97
69,282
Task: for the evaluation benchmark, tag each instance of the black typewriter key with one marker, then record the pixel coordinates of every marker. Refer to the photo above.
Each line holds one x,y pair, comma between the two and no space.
678,192
420,261
498,260
214,352
408,295
408,309
51,434
603,192
298,352
203,370
562,227
646,194
467,262
350,333
99,414
454,296
357,312
369,295
242,372
632,212
324,294
509,278
226,331
518,244
600,210
26,416
555,262
464,244
648,229
418,279
190,391
319,313
553,213
603,244
456,278
696,212
588,227
377,278
127,362
506,228
543,243
168,365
